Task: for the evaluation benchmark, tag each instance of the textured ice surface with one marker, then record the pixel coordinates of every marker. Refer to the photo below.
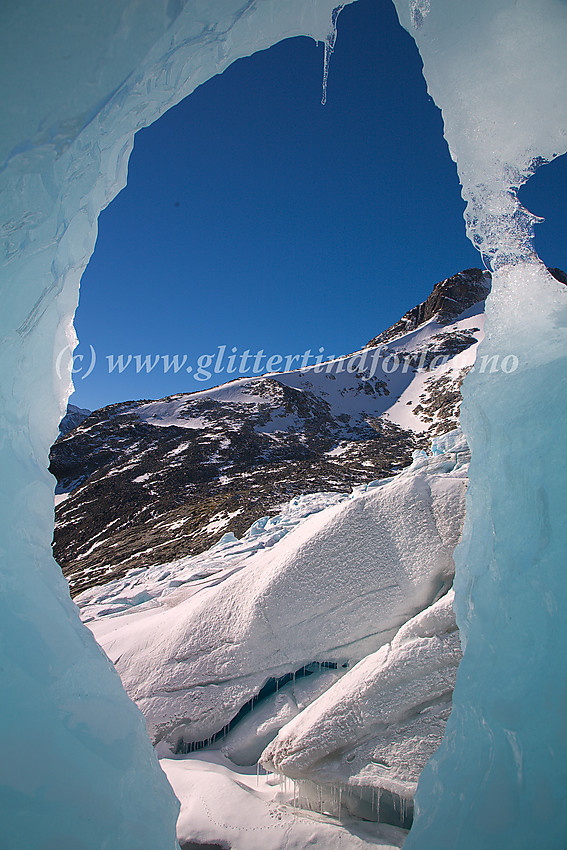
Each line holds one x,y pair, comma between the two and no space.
498,70
380,724
77,770
511,592
334,589
245,742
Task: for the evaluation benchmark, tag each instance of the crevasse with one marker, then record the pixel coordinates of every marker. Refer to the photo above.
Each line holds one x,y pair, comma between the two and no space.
77,768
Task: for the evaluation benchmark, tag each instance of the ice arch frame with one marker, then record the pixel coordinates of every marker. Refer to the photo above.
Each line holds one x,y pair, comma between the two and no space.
89,76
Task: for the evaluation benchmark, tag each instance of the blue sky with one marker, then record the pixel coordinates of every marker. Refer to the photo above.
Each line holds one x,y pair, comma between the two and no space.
257,219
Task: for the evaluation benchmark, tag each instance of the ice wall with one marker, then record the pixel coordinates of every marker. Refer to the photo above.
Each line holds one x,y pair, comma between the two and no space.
77,770
498,70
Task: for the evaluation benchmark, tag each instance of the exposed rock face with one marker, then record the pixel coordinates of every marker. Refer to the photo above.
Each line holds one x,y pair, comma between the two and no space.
440,401
72,418
448,300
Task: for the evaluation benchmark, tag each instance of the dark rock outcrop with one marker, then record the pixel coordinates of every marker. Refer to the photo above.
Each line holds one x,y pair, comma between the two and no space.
449,299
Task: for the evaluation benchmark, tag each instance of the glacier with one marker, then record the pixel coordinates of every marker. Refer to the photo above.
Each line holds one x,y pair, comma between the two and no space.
219,651
375,729
87,78
332,590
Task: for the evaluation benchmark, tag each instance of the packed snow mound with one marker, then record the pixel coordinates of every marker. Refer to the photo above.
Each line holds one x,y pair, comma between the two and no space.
379,725
334,589
222,808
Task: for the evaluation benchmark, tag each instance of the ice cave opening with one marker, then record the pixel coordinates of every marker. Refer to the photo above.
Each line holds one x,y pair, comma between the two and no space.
250,191
88,78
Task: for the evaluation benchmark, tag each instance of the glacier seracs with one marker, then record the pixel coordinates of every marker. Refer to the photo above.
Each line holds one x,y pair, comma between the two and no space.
378,726
334,589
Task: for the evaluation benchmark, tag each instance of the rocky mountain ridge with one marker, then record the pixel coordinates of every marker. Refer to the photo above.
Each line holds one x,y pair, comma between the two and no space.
145,482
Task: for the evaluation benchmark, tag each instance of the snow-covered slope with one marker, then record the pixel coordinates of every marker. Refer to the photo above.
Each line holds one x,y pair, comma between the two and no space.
154,481
334,589
298,613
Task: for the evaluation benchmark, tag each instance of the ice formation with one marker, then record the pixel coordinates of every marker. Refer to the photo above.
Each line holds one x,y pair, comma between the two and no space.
378,726
87,78
332,590
219,650
498,70
257,812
